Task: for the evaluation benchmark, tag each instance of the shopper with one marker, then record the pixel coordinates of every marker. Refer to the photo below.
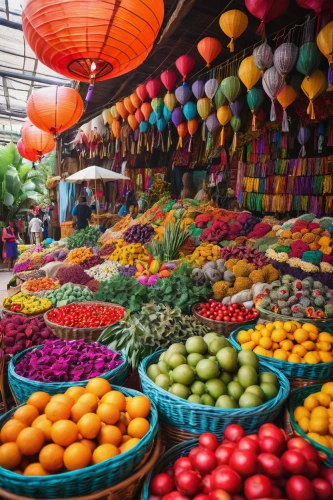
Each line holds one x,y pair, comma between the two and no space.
35,227
9,249
81,213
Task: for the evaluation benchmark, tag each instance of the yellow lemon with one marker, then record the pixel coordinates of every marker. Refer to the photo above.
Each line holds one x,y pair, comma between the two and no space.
275,346
299,349
319,439
311,358
301,412
323,346
301,335
287,345
265,333
294,358
313,336
262,352
280,354
319,425
259,327
243,337
296,324
327,388
325,357
265,342
319,412
325,337
278,335
324,399
304,424
290,336
309,327
288,326
249,345
269,327
311,402
309,345
256,336
278,324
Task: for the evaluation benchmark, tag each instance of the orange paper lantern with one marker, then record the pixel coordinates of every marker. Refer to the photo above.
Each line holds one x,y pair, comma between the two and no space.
182,131
224,115
135,100
233,23
146,110
132,122
55,109
116,128
209,48
28,154
286,97
122,109
81,39
36,139
128,105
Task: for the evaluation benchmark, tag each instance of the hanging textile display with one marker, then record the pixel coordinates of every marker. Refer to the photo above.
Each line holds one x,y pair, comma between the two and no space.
211,87
273,83
263,57
209,48
224,115
308,58
231,87
325,45
313,86
285,98
303,136
255,98
233,23
248,72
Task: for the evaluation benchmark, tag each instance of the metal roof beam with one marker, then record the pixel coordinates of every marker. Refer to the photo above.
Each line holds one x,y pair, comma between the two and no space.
5,92
34,78
10,24
13,114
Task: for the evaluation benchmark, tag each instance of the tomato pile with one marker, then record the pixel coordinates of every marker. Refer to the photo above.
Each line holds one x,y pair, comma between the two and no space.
258,466
235,313
85,315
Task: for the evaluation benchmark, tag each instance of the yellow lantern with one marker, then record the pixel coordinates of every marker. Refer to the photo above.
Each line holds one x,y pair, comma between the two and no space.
204,107
170,101
233,23
286,97
313,86
224,115
248,72
106,115
114,112
325,45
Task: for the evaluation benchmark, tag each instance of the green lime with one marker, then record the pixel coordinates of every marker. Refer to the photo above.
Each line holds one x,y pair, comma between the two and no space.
175,360
247,376
235,377
194,358
209,337
153,371
268,378
227,358
248,358
194,398
183,374
207,400
235,390
226,402
180,348
215,388
269,390
167,356
257,390
249,400
163,367
207,369
163,381
180,390
196,344
217,344
226,378
212,358
198,388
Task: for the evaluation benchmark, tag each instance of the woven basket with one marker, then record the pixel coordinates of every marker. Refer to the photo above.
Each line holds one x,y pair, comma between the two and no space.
22,387
293,371
172,435
84,481
88,334
221,327
322,324
66,229
296,399
197,418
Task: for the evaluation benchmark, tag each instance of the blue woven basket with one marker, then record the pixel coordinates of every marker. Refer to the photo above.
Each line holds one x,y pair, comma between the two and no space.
197,418
167,460
296,399
84,481
23,388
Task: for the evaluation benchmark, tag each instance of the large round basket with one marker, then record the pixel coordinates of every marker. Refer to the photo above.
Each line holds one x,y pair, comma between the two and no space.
197,418
296,399
323,324
88,334
221,327
297,373
125,490
22,387
84,481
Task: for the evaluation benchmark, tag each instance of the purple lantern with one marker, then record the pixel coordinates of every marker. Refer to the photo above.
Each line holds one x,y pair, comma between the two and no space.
211,87
198,89
183,94
177,116
237,106
212,122
303,136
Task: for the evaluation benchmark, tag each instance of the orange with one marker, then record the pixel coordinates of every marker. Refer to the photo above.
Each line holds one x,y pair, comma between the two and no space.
280,354
51,457
286,345
98,386
259,326
327,388
89,442
104,452
278,334
89,425
255,337
77,456
275,346
324,399
26,414
313,336
304,424
10,456
325,337
128,445
311,358
109,414
35,470
309,327
310,402
319,412
125,418
122,427
294,358
290,336
125,438
323,346
265,332
55,410
44,425
75,392
39,400
300,350
64,432
139,406
265,342
78,410
309,345
278,324
90,399
11,430
301,335
288,327
319,425
138,427
109,434
63,398
243,337
301,412
30,441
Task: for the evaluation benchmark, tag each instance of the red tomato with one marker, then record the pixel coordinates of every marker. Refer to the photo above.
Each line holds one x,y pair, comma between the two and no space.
234,432
183,463
327,473
300,488
257,486
298,442
219,495
276,492
324,490
174,495
161,484
248,443
309,453
188,482
244,462
207,483
208,440
229,444
193,452
223,454
293,462
205,461
224,478
202,496
271,430
271,445
312,469
270,465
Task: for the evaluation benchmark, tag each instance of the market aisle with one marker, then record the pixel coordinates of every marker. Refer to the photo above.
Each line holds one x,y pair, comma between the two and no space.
4,278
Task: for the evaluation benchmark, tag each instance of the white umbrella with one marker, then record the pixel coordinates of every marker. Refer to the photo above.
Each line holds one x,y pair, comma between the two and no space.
95,173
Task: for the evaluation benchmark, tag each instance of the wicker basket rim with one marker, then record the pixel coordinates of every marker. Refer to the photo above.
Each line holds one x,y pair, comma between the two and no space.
288,318
222,323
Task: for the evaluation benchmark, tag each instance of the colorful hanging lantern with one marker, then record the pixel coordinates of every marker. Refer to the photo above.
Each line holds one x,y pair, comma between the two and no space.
28,154
255,98
204,106
185,64
237,106
248,72
308,58
141,92
273,83
231,87
303,136
161,124
114,112
152,118
266,10
220,98
198,89
153,88
135,100
192,126
182,131
170,101
35,139
96,40
224,115
211,87
158,104
316,5
143,127
263,57
313,86
132,121
209,48
146,110
177,116
285,57
236,124
183,94
190,111
325,45
212,123
286,97
168,78
122,110
139,116
107,117
167,113
116,129
55,109
233,23
129,106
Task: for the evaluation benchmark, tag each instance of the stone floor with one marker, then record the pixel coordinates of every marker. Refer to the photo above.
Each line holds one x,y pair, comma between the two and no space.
4,278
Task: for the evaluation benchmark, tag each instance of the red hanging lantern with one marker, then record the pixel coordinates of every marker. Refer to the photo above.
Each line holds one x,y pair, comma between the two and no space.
55,109
122,110
28,154
129,105
266,10
84,40
153,88
209,48
185,64
182,131
35,139
317,5
139,116
168,78
135,100
146,110
142,92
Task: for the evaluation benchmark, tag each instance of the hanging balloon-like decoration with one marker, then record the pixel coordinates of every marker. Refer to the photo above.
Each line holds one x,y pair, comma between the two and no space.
236,124
220,99
285,58
168,78
146,110
211,87
313,86
286,97
167,113
143,127
231,87
212,124
170,101
135,100
107,117
183,94
116,130
161,124
204,107
177,116
190,111
129,106
233,23
248,72
122,110
198,89
263,57
182,131
325,45
266,10
316,5
237,106
139,116
185,64
141,92
158,104
153,87
28,154
209,48
273,83
132,121
35,139
308,58
152,118
303,136
114,112
192,126
255,98
224,115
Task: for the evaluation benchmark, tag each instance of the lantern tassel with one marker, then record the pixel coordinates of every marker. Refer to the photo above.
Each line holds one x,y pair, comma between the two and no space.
273,112
89,93
222,137
285,123
330,78
133,148
163,146
180,143
190,145
310,111
254,122
302,151
203,132
169,143
261,29
117,145
234,142
231,45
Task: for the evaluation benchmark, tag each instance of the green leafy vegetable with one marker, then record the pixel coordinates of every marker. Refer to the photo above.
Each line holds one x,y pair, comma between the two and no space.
84,237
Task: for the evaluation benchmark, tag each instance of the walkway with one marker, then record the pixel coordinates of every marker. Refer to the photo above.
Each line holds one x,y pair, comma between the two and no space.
4,278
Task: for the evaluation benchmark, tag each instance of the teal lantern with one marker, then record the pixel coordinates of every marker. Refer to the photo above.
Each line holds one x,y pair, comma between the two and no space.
158,104
308,58
190,110
167,113
152,118
220,99
236,124
143,127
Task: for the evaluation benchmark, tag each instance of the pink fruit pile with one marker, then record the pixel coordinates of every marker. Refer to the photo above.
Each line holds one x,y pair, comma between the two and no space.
258,466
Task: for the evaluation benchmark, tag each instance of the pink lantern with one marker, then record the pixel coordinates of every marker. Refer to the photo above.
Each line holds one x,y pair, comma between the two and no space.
266,10
142,92
139,116
168,79
316,5
185,64
153,88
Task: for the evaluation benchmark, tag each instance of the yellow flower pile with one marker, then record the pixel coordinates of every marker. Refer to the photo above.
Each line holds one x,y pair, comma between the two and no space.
30,305
129,254
204,253
78,255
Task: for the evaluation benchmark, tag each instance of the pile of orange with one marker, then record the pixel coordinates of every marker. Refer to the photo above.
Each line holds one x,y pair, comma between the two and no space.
290,341
40,284
66,432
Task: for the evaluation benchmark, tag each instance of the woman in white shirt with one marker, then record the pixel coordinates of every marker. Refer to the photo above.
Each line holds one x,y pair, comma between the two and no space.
35,226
